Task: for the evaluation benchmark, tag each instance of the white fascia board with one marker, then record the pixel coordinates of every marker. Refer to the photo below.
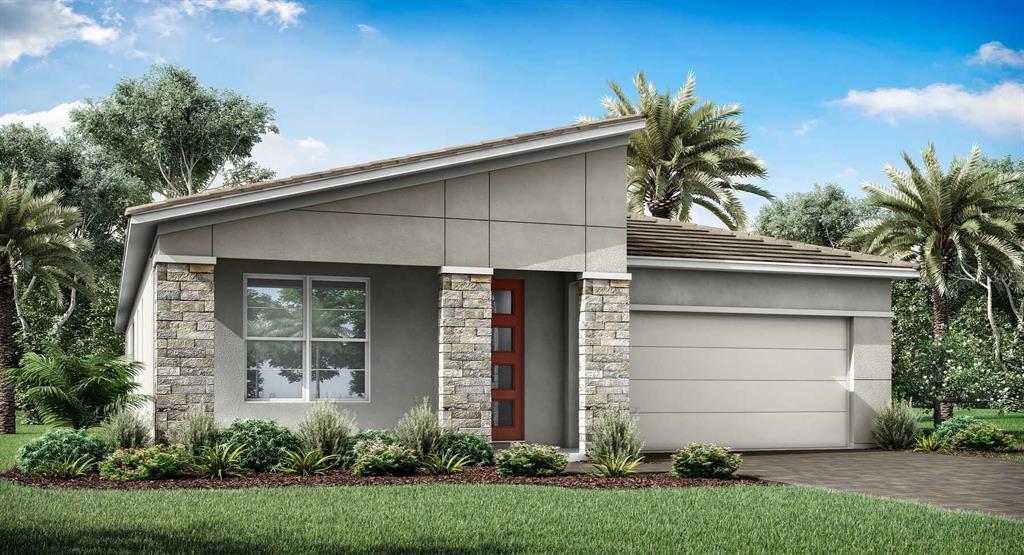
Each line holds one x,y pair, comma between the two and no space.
471,270
605,275
770,267
184,259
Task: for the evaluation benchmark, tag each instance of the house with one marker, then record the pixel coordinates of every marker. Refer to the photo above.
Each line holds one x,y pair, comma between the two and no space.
504,281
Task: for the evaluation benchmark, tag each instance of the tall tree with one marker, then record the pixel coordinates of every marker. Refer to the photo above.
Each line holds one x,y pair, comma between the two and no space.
688,154
174,134
823,216
38,241
940,219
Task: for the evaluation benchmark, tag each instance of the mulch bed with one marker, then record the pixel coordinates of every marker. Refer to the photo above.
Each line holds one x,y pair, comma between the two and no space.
486,475
983,454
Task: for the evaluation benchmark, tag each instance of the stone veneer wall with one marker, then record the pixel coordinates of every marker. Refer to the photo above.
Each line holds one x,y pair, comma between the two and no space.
464,358
184,341
604,350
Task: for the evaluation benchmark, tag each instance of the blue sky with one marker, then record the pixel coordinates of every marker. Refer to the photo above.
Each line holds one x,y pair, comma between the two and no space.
830,92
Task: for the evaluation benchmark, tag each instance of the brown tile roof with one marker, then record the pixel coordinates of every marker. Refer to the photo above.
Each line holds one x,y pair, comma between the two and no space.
661,238
379,164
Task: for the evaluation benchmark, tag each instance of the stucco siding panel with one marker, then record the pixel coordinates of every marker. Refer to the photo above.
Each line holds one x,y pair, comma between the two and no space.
538,247
191,242
421,200
468,197
867,400
606,187
606,249
466,243
544,192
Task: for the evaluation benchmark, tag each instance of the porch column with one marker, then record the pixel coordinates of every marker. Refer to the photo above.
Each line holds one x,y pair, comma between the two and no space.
184,341
464,350
603,347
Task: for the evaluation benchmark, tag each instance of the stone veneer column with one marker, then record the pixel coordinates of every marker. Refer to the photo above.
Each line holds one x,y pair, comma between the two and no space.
464,357
184,341
603,349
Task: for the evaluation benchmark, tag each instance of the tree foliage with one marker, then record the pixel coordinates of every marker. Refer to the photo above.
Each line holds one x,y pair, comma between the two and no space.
688,154
174,134
823,216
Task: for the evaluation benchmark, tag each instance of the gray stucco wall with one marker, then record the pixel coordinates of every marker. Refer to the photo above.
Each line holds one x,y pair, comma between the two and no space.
403,341
565,214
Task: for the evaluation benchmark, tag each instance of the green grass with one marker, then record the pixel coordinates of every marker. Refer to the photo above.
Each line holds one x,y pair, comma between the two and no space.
1011,422
492,519
9,444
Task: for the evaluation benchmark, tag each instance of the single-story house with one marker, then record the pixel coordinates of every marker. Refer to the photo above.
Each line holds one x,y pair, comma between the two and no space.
505,282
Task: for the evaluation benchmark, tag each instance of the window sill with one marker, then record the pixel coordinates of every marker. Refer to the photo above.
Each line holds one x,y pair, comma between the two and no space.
302,401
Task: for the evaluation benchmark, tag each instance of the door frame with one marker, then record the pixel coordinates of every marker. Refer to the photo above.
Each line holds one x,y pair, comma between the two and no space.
517,321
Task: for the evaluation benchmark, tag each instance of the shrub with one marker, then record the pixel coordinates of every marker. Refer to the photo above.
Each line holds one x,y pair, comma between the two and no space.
980,436
196,431
325,428
945,431
895,427
928,444
477,450
219,462
348,448
615,435
447,463
609,466
376,458
705,460
263,442
306,463
527,459
60,444
419,430
76,391
67,467
152,463
125,429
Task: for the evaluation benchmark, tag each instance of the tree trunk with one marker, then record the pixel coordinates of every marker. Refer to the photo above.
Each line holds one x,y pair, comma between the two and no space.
942,406
661,209
7,346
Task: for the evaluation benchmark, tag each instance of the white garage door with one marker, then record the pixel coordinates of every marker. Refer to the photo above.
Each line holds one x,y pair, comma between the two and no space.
743,381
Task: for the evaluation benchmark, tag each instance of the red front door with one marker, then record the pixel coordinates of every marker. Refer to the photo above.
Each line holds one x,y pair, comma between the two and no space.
507,342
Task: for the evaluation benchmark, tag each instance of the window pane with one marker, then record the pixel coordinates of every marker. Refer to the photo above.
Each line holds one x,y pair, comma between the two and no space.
501,301
339,294
274,370
501,339
501,414
340,324
274,293
274,322
336,355
501,376
339,384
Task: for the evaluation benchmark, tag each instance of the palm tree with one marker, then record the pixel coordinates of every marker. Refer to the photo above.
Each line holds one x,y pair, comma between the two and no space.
944,222
37,244
689,153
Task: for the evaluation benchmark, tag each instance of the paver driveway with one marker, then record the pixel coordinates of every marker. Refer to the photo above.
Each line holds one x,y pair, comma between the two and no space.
970,483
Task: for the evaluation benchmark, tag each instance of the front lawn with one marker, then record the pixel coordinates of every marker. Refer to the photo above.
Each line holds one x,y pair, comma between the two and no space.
9,444
491,519
1011,422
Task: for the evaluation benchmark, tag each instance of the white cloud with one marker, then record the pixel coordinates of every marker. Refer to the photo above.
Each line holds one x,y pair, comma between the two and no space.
284,12
290,156
54,120
996,53
847,174
806,127
34,28
999,109
367,29
164,20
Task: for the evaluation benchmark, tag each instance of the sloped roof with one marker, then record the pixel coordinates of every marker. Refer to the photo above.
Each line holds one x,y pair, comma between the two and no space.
660,238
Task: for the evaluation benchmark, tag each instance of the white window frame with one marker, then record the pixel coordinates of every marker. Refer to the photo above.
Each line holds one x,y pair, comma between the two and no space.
307,338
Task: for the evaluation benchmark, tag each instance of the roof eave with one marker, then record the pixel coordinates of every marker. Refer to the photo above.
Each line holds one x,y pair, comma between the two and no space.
888,272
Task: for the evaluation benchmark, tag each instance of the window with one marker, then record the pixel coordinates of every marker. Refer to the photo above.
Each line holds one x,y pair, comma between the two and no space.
306,338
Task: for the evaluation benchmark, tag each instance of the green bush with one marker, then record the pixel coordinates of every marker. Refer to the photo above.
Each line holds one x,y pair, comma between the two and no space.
219,462
67,468
980,436
615,434
895,427
263,442
477,450
60,444
306,463
609,466
152,463
944,432
530,459
419,430
347,454
196,431
376,458
445,463
705,460
325,428
928,444
125,429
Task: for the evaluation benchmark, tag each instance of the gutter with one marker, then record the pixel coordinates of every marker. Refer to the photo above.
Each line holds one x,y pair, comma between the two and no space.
892,272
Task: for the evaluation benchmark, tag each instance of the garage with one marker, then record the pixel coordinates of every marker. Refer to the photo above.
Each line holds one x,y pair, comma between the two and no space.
741,380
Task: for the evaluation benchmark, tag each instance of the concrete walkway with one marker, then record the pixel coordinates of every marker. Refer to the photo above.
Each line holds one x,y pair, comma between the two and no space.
979,484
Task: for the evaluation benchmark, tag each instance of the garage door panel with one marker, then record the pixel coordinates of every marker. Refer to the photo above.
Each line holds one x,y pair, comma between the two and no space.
671,329
668,432
698,363
675,396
